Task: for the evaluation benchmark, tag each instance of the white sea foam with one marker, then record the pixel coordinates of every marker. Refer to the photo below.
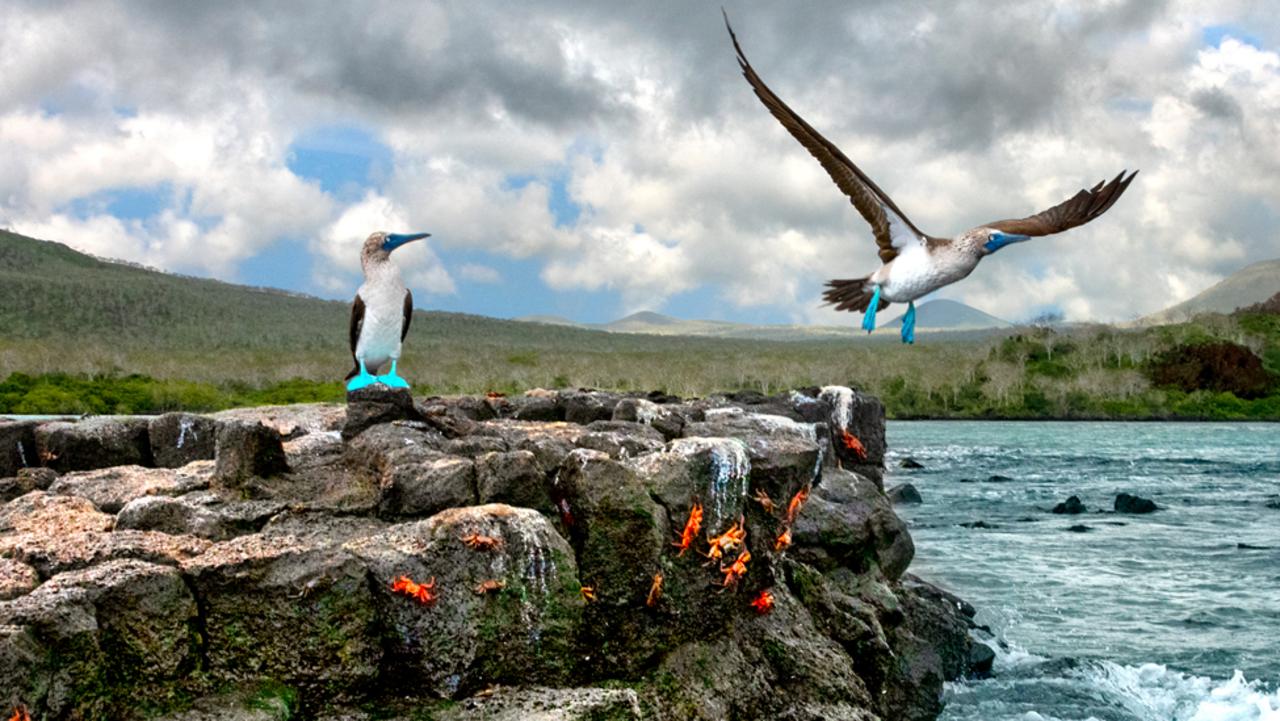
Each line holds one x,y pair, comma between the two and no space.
1152,691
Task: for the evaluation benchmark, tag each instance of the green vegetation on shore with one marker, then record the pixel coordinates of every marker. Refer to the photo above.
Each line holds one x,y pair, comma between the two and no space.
80,335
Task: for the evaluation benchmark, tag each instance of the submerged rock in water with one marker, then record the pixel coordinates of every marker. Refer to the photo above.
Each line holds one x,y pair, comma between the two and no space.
1070,507
905,493
1126,503
1079,528
910,463
548,555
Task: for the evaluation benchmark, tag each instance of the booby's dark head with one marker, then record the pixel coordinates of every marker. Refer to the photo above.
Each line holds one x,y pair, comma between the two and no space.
998,239
379,245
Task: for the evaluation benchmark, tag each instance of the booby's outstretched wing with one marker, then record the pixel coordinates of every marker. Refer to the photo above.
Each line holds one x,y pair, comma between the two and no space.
357,322
891,227
1079,209
408,314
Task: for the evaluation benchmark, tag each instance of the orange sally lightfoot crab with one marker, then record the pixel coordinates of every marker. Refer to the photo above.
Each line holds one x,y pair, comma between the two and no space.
734,537
655,591
489,586
783,541
852,443
425,593
480,542
797,501
763,603
588,593
691,528
735,570
765,501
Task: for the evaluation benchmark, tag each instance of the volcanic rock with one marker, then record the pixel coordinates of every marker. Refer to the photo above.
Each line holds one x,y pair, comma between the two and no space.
1071,506
180,438
1126,503
905,493
97,442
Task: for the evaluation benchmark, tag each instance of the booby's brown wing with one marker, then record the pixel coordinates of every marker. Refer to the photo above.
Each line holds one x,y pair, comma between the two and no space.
408,314
357,322
1079,209
891,227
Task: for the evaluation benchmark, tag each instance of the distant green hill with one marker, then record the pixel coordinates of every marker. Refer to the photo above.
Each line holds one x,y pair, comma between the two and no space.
1251,284
80,334
943,314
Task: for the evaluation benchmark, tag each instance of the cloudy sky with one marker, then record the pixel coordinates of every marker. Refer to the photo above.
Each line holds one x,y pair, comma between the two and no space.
594,159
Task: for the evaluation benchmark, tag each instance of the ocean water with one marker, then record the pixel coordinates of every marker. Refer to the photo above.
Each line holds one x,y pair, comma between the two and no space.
1171,616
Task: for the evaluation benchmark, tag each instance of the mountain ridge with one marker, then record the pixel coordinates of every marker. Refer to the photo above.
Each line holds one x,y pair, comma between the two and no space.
1251,284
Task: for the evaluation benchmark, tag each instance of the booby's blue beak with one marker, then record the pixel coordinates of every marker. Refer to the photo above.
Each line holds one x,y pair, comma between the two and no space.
395,240
999,240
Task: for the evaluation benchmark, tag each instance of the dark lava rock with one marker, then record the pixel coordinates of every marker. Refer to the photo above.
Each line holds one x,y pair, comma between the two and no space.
98,442
111,488
978,524
246,451
1070,507
1080,528
905,493
586,407
513,478
247,610
639,410
910,463
848,522
175,516
522,631
536,408
180,438
17,446
997,478
1273,502
294,609
1126,503
428,485
376,404
981,658
27,480
862,416
1251,547
118,633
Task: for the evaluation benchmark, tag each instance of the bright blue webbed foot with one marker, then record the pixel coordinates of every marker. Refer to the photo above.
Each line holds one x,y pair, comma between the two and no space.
869,318
391,380
909,324
363,380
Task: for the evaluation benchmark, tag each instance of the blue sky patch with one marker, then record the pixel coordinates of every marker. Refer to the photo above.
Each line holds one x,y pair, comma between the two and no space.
345,160
127,203
1213,35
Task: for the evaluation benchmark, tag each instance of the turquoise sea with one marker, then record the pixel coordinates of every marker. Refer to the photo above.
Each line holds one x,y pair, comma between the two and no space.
1173,615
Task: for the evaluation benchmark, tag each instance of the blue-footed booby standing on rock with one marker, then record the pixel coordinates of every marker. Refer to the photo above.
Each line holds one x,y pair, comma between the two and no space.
914,263
380,314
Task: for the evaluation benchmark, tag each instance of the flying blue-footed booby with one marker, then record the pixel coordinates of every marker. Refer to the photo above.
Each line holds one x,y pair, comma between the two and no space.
380,313
914,263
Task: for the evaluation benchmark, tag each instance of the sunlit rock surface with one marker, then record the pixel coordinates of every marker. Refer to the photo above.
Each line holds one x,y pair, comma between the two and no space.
455,557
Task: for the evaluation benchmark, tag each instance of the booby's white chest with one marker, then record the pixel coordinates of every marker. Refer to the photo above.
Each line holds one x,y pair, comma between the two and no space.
917,272
383,294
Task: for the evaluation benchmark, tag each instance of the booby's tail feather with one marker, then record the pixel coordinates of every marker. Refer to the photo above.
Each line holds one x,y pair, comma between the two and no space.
853,294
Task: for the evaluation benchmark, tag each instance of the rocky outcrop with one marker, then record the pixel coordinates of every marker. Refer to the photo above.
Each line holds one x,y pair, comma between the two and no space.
1070,507
1127,503
540,556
